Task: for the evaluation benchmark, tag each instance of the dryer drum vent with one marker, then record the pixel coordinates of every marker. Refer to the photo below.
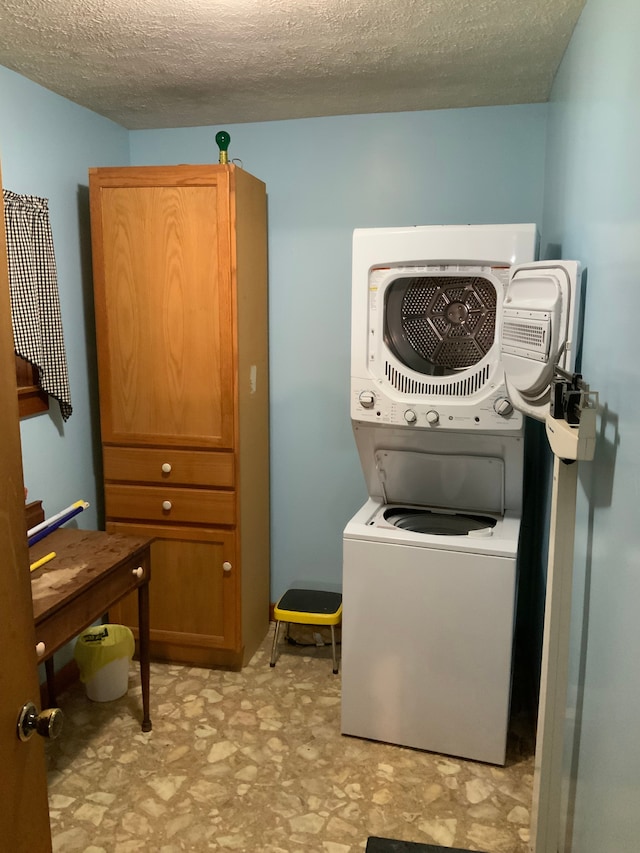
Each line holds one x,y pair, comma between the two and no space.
439,325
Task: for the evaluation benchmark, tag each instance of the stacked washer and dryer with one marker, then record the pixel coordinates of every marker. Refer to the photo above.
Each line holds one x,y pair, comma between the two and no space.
431,560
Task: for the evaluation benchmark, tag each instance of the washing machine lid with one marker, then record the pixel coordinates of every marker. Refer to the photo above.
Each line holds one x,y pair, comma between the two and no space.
539,330
452,481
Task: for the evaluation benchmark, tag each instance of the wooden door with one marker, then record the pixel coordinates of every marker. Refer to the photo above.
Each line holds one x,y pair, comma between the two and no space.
193,595
163,301
24,814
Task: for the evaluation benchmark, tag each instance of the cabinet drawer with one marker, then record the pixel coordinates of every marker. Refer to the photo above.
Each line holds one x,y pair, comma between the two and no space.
181,506
171,467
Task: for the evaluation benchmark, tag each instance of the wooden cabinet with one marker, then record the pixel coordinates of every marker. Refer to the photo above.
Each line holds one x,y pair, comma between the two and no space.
180,282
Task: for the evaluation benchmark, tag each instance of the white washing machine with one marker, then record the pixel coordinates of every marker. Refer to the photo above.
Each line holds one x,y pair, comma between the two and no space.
430,561
429,602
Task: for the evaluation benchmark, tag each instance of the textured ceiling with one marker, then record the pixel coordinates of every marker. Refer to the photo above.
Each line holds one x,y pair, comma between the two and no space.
180,63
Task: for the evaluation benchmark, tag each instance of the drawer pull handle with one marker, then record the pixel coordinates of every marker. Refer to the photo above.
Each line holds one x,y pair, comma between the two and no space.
166,505
138,572
166,468
226,566
40,649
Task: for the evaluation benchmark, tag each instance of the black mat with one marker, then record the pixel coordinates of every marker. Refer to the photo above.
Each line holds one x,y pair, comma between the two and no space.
388,845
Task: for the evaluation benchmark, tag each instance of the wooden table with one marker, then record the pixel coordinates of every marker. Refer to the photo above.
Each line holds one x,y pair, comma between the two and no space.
91,571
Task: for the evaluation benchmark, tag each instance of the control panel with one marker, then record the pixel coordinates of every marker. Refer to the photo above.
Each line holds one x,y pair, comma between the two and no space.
494,412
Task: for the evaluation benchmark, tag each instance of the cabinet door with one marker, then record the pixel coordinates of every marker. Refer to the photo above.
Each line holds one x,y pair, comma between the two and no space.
163,301
193,593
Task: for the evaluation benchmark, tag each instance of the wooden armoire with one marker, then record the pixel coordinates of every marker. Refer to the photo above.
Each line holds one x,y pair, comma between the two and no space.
180,284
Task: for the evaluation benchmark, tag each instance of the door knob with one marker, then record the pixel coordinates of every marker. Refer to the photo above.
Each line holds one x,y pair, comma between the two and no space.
47,723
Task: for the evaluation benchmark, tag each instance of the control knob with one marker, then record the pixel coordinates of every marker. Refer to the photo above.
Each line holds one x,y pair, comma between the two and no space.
503,406
432,417
367,399
410,416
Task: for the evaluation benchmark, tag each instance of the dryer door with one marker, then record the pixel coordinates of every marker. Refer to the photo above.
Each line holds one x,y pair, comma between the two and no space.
539,331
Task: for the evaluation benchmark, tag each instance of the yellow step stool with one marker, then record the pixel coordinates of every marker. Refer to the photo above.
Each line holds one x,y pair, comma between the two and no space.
308,607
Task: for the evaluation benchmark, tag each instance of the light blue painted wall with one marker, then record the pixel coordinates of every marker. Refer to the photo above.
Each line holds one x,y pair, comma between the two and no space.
47,145
327,176
592,210
324,178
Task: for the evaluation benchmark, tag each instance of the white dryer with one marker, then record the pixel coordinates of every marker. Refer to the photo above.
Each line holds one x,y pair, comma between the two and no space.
430,561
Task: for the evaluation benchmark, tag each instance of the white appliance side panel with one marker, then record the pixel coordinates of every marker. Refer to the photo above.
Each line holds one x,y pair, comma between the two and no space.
427,642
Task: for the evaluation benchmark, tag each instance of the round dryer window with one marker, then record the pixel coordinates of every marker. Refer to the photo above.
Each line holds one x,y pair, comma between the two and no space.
439,325
437,523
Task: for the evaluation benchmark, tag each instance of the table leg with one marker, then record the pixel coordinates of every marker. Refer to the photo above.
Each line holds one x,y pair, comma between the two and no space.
51,681
143,626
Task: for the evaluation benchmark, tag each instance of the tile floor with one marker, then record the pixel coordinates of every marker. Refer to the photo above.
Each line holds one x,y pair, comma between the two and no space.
254,761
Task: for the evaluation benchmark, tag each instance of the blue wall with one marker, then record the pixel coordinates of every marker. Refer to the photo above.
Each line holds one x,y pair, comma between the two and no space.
46,146
592,211
325,177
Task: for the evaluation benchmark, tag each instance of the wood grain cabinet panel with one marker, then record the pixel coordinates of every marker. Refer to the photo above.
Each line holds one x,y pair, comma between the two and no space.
203,628
164,316
180,284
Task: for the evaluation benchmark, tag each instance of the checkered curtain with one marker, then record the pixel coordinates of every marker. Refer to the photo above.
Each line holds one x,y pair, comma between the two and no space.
35,303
